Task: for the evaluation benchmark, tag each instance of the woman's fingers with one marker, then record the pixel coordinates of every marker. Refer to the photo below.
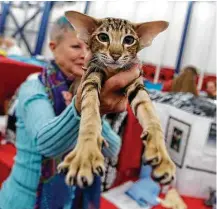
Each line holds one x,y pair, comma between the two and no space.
110,97
122,79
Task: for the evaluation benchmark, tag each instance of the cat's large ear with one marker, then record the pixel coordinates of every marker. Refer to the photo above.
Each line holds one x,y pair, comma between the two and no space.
147,31
84,25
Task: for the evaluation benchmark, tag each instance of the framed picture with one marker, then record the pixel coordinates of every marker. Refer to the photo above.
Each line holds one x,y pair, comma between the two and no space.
210,146
177,135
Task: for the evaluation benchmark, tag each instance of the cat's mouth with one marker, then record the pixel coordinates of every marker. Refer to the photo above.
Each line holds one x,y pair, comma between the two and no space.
111,63
114,65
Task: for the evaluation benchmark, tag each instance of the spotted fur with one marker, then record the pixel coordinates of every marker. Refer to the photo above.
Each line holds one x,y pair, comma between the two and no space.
114,44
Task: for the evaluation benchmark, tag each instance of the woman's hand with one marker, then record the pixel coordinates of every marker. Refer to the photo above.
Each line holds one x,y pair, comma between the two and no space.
111,97
67,97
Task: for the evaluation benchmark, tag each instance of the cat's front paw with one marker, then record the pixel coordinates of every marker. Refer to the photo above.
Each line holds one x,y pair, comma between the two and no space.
155,154
82,163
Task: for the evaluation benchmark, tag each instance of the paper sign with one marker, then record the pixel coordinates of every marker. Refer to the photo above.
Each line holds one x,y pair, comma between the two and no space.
118,197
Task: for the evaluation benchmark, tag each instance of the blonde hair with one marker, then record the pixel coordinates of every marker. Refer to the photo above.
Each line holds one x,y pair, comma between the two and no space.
185,82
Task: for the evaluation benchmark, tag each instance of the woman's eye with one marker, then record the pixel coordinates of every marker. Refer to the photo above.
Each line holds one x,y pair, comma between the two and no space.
129,40
103,37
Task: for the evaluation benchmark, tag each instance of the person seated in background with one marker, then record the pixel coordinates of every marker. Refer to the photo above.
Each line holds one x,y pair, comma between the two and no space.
1,40
48,123
10,46
185,82
2,50
211,89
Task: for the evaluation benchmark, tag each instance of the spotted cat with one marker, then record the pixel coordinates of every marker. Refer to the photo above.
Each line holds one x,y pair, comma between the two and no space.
114,44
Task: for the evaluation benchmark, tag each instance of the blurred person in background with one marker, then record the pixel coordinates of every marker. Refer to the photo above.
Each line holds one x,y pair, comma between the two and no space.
185,82
211,89
48,123
10,46
2,48
1,40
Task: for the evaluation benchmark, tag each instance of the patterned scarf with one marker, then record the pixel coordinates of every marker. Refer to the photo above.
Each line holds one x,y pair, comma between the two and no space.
53,193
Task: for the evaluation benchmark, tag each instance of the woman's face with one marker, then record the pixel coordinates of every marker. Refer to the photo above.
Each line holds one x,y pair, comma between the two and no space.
211,88
69,54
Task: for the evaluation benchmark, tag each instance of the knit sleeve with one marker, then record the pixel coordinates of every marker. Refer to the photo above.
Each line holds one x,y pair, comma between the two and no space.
54,135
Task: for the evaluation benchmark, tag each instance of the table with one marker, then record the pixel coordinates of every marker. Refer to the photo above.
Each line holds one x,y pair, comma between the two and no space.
192,203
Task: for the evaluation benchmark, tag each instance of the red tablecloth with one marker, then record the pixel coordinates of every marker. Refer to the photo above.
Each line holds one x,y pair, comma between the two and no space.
13,73
192,203
7,153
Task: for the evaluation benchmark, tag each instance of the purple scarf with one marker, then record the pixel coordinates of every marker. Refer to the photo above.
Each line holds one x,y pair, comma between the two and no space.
55,82
65,197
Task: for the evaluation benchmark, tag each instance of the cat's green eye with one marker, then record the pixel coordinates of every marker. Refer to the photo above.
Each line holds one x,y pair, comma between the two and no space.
129,40
103,37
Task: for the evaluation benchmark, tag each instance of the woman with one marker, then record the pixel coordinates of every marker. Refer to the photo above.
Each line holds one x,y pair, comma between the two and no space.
211,89
10,46
47,126
185,82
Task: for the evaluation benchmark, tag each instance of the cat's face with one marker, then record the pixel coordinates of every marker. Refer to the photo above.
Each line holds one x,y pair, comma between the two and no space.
114,43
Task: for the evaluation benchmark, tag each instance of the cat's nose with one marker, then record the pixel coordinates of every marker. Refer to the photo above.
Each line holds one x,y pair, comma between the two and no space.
116,56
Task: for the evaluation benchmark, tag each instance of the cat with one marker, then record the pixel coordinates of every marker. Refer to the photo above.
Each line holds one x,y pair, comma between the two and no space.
114,44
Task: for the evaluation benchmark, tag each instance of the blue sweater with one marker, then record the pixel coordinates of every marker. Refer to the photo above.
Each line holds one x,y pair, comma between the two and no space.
41,133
